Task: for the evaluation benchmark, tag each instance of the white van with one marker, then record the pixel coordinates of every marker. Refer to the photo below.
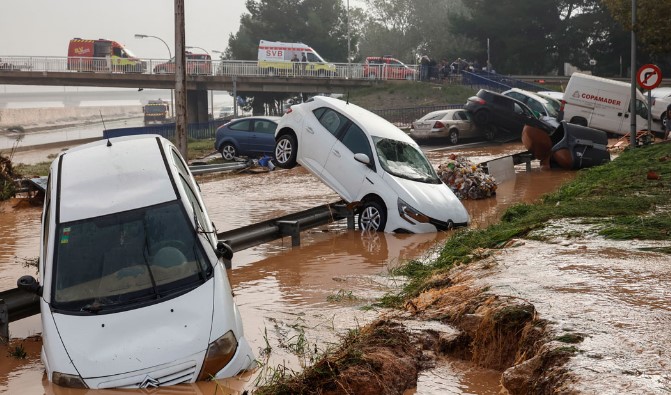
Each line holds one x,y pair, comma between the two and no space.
133,293
601,103
276,58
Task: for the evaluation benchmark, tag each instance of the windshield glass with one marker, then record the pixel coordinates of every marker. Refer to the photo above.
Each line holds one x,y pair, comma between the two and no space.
553,106
126,258
155,108
404,160
129,53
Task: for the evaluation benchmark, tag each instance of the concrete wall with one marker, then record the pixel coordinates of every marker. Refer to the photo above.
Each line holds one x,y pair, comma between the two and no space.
30,118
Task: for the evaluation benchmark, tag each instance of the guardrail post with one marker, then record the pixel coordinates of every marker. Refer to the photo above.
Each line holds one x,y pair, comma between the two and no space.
4,322
290,228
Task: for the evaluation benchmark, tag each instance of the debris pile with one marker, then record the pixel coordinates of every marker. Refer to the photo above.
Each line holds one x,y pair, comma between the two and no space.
466,179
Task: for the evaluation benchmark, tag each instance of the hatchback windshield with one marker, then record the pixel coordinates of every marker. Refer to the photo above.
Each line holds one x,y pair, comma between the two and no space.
126,258
404,160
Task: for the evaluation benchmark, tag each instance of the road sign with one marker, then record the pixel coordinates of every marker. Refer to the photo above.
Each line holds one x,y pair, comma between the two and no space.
649,76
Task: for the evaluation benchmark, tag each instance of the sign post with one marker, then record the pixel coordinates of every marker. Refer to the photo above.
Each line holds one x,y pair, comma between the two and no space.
649,76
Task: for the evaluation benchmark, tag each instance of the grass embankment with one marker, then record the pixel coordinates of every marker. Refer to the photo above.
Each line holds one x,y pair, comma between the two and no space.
619,196
628,198
403,94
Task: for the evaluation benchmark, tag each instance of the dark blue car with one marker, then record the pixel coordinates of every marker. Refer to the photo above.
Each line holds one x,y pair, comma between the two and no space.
252,136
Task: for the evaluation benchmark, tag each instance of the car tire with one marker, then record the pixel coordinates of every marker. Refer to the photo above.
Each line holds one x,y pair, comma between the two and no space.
228,151
453,137
286,149
482,117
579,121
372,217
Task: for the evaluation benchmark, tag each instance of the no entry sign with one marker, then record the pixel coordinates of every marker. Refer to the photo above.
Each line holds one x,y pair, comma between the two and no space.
649,76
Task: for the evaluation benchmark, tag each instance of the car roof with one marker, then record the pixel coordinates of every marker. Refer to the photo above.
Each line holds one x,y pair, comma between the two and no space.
443,112
661,92
540,98
370,122
271,118
99,179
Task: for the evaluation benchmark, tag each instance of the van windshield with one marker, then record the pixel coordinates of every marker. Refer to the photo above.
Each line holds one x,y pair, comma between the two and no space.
404,160
313,57
641,109
130,258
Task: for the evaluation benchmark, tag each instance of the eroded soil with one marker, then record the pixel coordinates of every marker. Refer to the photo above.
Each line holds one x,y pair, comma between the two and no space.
565,315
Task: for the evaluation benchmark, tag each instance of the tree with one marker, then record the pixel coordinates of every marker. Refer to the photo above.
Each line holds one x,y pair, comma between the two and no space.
408,29
653,28
518,31
322,24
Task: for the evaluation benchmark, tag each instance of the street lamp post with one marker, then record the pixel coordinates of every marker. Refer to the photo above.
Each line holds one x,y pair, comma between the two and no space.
212,91
220,71
172,104
349,53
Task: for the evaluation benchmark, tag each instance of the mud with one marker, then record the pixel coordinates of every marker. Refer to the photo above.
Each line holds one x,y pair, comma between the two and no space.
295,302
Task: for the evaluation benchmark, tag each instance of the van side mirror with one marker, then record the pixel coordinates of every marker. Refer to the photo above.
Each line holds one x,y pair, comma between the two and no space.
30,285
362,158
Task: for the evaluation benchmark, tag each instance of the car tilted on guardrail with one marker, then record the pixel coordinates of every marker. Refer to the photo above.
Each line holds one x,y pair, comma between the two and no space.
132,290
370,163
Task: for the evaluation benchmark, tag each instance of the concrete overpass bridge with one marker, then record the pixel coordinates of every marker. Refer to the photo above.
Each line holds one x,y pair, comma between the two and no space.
232,76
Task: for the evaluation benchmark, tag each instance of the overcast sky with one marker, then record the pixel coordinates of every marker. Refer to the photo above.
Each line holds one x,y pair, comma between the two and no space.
44,27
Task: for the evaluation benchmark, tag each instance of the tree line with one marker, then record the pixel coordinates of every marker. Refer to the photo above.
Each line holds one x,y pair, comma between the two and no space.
518,37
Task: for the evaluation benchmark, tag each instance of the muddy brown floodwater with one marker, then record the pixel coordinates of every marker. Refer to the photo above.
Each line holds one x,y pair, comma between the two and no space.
292,300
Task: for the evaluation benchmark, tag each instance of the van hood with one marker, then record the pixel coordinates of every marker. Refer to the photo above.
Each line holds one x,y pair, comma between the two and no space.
436,201
116,343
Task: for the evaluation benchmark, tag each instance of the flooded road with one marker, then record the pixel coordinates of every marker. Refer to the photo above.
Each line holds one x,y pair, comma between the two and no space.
295,302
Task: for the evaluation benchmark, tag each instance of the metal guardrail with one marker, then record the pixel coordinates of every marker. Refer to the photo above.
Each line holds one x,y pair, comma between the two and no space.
16,303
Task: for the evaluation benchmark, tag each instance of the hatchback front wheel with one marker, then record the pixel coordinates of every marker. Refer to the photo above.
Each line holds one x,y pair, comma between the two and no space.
373,217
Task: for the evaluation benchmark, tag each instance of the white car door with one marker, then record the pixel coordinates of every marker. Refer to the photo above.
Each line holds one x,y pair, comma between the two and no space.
342,172
318,137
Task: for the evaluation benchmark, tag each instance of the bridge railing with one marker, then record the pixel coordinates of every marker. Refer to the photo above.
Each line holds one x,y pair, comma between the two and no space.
194,67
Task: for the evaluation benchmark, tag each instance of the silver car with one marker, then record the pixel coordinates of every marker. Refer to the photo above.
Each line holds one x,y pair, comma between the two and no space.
454,124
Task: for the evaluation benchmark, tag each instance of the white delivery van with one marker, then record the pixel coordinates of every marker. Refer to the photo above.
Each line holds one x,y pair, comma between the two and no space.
276,58
602,103
133,293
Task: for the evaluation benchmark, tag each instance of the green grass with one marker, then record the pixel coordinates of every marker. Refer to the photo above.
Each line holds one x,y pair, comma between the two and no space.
618,196
401,94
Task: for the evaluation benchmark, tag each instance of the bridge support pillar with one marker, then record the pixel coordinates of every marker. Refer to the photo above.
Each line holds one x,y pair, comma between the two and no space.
197,106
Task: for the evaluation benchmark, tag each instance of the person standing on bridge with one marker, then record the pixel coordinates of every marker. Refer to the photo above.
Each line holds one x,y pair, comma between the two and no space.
304,62
294,60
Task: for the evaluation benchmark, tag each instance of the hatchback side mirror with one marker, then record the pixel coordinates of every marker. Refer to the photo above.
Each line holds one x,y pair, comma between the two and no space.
30,285
224,251
362,158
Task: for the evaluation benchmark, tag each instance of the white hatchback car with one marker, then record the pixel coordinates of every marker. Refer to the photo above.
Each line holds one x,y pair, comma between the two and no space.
133,293
370,162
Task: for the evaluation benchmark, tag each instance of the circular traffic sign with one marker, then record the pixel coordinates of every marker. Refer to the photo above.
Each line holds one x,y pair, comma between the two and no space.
649,76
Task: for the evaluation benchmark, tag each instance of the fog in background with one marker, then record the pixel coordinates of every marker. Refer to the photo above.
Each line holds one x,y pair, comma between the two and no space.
44,27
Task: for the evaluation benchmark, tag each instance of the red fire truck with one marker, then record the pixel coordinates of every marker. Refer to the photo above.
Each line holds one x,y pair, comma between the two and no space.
104,56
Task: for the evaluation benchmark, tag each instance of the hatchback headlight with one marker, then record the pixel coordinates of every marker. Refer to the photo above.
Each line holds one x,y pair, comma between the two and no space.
219,354
68,380
407,212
